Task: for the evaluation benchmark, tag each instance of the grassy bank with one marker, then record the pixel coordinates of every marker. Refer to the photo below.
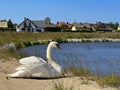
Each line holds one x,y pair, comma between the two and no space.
8,37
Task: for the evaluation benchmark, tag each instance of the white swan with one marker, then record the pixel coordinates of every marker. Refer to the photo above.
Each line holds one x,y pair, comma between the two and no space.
36,67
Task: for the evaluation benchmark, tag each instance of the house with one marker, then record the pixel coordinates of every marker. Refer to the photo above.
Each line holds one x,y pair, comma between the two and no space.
103,27
118,28
99,26
64,25
76,26
3,24
33,25
73,28
81,27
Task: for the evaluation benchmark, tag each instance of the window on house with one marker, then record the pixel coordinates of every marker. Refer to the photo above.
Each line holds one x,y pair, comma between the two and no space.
32,30
28,29
25,24
29,25
23,29
38,30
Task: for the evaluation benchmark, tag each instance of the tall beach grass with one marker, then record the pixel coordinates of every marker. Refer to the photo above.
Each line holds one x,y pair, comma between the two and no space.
8,37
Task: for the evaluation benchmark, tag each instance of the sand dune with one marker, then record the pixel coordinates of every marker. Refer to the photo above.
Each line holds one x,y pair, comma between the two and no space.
41,84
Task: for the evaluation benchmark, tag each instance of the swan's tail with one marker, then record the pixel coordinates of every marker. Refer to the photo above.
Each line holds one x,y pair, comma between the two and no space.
19,74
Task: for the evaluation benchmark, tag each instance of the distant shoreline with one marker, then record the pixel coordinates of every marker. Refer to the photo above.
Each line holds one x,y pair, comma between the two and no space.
24,39
70,40
94,40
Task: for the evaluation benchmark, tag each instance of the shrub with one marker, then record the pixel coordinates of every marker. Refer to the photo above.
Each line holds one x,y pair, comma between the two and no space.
45,42
19,45
28,43
59,40
53,29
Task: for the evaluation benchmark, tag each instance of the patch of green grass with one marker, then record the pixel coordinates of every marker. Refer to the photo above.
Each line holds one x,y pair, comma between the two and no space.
79,71
110,80
19,45
8,37
60,86
86,41
44,42
8,54
84,82
35,43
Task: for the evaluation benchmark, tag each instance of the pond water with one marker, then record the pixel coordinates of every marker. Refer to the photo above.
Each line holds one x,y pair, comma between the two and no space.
99,57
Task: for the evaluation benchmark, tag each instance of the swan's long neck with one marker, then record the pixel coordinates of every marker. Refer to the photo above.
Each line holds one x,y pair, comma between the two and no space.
49,55
52,62
49,51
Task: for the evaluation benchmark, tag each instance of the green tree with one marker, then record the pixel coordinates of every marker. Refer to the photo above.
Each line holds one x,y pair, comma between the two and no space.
10,24
47,20
114,25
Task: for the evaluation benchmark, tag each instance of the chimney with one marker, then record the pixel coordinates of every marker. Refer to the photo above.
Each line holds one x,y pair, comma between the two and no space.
25,18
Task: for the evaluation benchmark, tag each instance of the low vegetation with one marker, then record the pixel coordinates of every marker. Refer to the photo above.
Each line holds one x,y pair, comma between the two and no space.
8,37
110,80
86,76
60,86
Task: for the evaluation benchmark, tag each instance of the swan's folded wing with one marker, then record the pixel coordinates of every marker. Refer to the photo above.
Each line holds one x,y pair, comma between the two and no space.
31,60
43,71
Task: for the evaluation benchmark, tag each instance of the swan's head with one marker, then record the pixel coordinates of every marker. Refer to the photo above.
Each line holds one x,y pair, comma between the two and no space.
54,44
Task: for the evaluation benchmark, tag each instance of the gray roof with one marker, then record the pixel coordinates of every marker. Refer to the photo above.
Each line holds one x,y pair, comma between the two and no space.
78,25
39,23
42,24
81,25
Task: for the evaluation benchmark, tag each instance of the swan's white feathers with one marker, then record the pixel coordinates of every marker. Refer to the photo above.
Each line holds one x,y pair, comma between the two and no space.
43,70
36,70
31,60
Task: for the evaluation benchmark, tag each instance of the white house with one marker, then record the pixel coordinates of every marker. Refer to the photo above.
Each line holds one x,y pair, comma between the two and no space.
32,26
3,24
118,27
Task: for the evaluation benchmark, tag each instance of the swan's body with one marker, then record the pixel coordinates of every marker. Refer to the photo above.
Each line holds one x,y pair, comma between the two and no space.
36,67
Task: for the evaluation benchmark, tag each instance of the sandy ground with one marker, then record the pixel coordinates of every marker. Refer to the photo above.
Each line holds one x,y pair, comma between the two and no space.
41,84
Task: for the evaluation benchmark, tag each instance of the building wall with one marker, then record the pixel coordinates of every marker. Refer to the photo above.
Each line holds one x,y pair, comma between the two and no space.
73,28
119,27
3,24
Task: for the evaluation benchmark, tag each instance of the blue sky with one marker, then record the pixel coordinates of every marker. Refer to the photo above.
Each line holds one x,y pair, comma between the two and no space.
61,10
